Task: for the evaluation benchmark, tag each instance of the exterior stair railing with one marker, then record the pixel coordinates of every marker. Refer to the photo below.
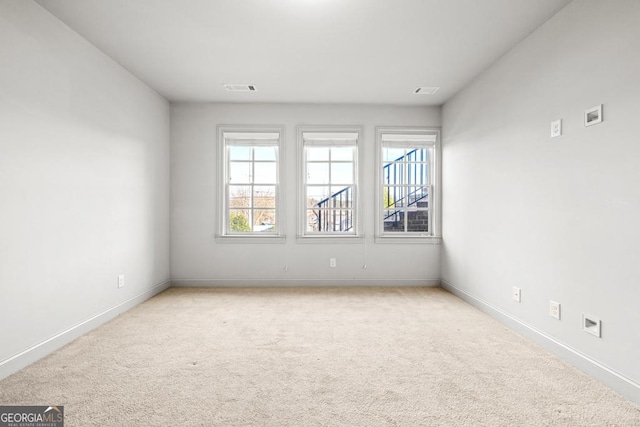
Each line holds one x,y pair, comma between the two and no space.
335,213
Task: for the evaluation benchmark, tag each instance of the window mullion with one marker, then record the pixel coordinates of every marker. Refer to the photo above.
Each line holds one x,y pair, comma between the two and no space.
331,212
227,194
405,194
251,188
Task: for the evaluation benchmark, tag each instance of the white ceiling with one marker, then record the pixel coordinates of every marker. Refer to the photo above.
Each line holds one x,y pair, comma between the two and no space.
317,51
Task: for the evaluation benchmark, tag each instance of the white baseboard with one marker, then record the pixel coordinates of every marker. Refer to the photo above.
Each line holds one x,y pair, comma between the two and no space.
608,376
207,283
20,360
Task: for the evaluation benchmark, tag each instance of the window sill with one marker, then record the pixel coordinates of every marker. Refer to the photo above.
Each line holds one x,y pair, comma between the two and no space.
252,238
332,238
420,240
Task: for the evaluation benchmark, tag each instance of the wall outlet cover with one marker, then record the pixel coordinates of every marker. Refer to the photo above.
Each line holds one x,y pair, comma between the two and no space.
516,294
556,128
554,309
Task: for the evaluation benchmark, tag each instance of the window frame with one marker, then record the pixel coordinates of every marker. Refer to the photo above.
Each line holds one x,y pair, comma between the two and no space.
328,131
434,233
224,234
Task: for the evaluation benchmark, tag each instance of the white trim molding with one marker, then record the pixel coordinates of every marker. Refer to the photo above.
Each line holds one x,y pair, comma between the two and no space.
32,354
242,283
606,375
411,240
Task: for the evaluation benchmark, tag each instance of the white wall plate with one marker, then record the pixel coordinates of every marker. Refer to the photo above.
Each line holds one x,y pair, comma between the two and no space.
556,128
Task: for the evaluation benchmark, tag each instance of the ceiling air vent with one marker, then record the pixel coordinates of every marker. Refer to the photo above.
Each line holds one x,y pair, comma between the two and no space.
239,88
425,90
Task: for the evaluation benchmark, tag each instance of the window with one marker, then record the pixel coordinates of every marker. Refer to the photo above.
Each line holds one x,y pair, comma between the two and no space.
329,169
251,182
408,188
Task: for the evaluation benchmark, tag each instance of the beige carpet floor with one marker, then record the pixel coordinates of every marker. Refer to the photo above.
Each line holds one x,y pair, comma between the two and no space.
312,357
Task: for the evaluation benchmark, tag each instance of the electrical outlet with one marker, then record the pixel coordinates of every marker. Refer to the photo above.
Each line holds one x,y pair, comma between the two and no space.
516,294
554,309
120,280
332,262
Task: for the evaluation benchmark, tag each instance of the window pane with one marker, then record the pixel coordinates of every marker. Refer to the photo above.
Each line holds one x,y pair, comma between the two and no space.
419,173
239,196
419,155
240,173
342,153
317,153
419,196
418,221
322,220
316,194
264,196
415,196
391,154
395,196
394,173
264,220
389,196
239,220
413,171
313,216
265,153
389,173
239,153
394,220
340,220
318,173
341,197
329,220
265,173
342,173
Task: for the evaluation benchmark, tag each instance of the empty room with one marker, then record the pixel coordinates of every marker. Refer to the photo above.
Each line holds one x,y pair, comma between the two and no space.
319,213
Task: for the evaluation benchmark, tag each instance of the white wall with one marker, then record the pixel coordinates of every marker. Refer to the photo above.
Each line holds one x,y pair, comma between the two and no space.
198,259
84,185
559,218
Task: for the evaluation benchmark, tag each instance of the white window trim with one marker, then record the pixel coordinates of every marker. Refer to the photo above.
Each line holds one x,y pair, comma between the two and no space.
330,132
434,236
246,131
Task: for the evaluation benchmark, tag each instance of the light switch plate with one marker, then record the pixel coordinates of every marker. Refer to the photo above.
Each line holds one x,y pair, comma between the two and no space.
556,128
